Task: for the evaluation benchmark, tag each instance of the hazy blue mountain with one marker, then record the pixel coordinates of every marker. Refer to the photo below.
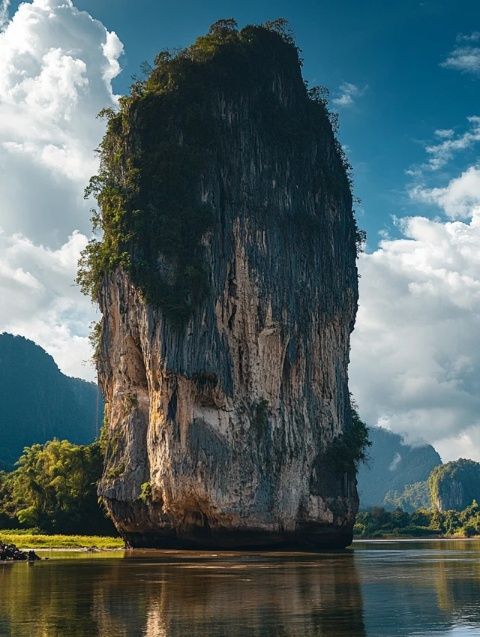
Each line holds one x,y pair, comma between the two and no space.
415,496
39,403
393,464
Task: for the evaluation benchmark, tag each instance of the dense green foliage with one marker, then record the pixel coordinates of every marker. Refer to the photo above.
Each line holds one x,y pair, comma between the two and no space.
455,485
349,450
392,465
377,522
414,496
39,402
158,146
54,489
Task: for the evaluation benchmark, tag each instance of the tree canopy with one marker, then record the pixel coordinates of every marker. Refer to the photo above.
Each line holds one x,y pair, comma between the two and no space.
54,488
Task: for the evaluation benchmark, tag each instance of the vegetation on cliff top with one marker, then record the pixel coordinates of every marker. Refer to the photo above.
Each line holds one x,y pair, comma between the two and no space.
152,216
349,450
454,485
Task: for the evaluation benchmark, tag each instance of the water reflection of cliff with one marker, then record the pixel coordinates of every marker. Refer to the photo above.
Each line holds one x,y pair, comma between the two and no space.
256,595
267,598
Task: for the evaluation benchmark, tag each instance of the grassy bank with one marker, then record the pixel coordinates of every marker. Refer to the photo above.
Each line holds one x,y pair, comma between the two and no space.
30,539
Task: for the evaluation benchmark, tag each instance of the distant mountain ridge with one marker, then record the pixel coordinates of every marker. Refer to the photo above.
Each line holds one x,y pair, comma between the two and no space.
38,402
393,465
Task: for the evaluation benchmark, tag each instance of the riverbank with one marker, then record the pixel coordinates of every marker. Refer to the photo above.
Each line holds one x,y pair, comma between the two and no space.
407,534
423,523
30,540
432,589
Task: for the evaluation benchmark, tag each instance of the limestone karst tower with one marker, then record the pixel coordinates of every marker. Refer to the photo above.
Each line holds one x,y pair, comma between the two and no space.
227,283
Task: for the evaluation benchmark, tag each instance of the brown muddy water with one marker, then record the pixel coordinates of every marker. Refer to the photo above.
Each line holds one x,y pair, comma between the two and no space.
375,589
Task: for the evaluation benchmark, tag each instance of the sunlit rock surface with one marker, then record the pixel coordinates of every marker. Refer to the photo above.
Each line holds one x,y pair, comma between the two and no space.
217,430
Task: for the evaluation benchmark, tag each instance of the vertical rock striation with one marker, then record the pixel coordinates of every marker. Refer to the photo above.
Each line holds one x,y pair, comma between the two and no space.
455,485
224,403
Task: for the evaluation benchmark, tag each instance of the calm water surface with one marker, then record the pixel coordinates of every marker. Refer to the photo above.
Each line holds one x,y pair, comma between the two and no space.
376,589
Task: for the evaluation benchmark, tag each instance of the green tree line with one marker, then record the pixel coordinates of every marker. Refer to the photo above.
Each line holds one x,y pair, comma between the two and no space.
377,522
54,489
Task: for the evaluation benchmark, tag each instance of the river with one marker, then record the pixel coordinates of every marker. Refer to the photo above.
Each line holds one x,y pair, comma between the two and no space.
374,589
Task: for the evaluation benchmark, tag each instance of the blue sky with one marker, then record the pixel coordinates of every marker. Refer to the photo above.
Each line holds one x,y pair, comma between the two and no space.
391,51
404,77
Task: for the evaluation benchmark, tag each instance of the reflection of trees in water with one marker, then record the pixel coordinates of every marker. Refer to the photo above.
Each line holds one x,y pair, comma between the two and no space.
417,590
44,599
262,596
457,583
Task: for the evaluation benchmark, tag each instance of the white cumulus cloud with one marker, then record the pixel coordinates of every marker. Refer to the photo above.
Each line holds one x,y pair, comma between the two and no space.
348,93
415,360
444,133
42,302
441,153
4,5
415,355
56,67
458,198
56,70
465,57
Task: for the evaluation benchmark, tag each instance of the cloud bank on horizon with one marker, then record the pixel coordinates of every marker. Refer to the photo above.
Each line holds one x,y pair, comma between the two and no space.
56,68
414,356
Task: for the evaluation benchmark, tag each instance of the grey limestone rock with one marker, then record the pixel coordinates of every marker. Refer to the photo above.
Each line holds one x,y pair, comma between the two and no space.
218,429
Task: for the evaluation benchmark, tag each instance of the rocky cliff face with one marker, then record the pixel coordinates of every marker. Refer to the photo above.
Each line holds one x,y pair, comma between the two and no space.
455,485
224,403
